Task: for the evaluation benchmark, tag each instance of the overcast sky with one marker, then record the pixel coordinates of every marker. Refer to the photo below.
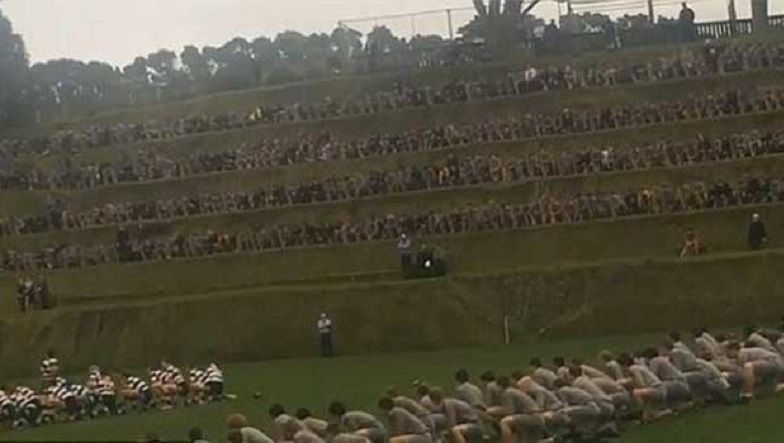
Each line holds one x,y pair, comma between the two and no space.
118,30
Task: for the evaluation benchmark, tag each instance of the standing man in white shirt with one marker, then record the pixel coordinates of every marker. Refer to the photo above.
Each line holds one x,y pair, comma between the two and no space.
405,250
324,326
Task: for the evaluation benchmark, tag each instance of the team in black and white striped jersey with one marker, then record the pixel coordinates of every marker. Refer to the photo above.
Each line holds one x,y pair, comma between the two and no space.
62,400
50,368
19,406
205,385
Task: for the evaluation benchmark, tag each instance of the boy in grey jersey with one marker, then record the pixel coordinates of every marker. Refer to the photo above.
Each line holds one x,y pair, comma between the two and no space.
284,426
358,422
436,418
586,370
647,389
552,408
433,421
678,393
240,430
492,395
313,424
469,392
718,386
522,415
758,340
587,384
583,412
402,425
544,398
462,421
409,404
611,367
760,367
542,375
562,370
706,346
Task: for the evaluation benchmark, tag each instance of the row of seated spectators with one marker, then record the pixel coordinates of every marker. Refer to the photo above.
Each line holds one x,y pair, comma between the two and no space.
713,59
546,210
450,173
325,147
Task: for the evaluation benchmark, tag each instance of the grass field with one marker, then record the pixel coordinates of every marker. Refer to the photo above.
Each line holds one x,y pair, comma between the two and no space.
360,380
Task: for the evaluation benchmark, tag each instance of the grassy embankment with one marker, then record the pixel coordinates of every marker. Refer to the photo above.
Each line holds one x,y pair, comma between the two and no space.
622,296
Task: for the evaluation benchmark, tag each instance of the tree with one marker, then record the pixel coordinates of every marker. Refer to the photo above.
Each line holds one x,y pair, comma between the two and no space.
319,55
638,21
138,75
499,28
236,67
265,55
382,41
346,45
480,7
429,49
14,66
291,45
63,87
162,66
513,6
593,22
493,8
347,42
195,65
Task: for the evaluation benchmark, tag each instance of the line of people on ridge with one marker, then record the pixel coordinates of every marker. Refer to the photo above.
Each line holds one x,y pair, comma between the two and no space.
714,58
547,209
453,172
311,147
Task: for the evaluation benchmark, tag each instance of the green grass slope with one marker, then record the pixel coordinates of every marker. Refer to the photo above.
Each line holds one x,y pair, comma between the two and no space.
614,297
645,237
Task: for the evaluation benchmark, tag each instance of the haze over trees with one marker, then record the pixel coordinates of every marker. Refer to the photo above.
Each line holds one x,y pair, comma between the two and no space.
57,89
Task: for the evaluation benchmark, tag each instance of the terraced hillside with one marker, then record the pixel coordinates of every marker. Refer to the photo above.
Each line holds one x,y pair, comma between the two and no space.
561,204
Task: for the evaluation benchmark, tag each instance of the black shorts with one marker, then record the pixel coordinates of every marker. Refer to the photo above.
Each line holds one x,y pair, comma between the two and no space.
7,412
30,412
215,388
145,397
71,405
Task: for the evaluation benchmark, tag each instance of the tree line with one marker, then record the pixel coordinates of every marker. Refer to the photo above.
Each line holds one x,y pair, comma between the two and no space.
66,87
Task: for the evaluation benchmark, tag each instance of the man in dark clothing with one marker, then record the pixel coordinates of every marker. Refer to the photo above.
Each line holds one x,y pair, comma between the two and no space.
123,245
758,235
324,326
686,21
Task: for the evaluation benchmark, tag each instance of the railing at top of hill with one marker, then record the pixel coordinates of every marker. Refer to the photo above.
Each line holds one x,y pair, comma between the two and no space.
459,51
655,35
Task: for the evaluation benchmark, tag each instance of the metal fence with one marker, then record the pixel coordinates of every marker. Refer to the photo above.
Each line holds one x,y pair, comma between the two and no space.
455,52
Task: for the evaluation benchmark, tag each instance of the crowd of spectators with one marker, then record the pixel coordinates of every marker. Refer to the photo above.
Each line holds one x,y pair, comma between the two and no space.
549,209
712,59
453,172
325,147
33,294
